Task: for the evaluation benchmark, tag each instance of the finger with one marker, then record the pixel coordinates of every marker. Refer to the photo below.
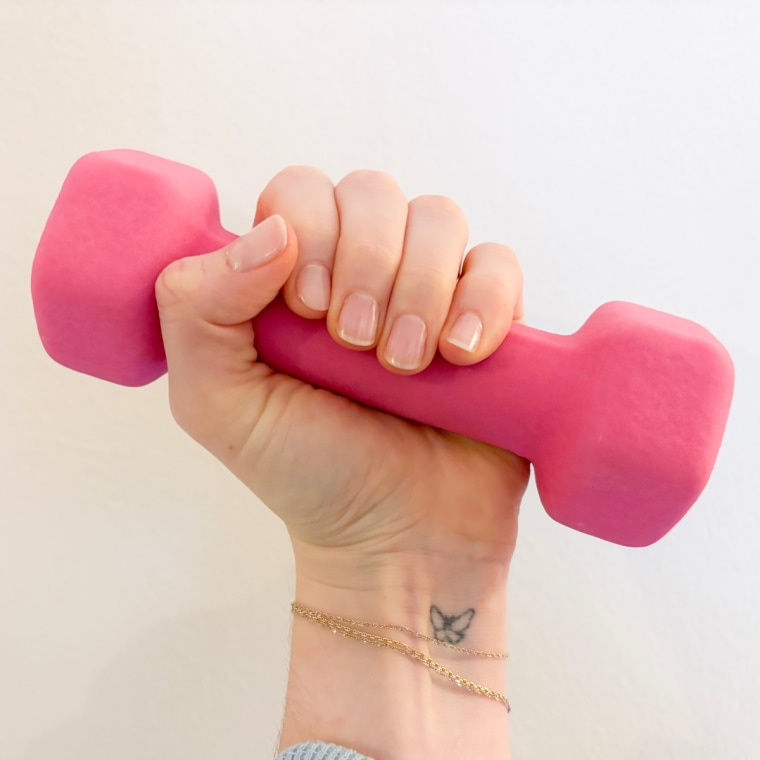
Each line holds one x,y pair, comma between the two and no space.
436,237
488,298
205,306
305,197
373,211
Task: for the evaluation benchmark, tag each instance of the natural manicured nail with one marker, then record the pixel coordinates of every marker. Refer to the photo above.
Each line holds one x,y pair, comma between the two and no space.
259,245
313,286
357,323
466,332
406,343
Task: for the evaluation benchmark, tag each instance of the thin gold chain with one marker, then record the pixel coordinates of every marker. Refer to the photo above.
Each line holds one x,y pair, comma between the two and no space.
337,625
403,629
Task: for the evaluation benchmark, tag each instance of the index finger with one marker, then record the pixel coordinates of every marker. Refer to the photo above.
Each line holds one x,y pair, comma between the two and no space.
304,195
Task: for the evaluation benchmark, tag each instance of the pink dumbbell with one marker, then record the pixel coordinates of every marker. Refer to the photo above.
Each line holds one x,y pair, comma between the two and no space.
622,420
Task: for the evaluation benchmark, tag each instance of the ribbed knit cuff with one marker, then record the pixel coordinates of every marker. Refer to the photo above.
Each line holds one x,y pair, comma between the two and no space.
320,751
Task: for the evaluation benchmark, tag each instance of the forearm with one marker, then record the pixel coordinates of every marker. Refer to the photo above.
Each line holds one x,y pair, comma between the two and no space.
377,700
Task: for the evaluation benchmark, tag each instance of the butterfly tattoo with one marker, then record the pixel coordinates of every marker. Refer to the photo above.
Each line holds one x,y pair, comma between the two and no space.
450,629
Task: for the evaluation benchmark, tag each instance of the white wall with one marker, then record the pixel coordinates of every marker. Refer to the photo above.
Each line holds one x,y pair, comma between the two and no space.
143,593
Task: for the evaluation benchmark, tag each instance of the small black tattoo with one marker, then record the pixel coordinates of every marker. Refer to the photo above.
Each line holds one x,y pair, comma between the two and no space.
450,629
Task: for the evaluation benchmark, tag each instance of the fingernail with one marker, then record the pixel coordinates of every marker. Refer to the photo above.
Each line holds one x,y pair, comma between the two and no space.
357,322
313,286
259,245
406,343
466,332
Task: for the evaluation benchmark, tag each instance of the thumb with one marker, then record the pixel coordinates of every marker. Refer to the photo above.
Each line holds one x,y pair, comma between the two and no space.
205,305
229,286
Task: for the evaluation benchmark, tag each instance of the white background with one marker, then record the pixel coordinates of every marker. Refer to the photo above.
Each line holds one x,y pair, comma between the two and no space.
143,593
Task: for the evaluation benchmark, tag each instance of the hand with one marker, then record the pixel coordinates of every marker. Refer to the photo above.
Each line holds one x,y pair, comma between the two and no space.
386,516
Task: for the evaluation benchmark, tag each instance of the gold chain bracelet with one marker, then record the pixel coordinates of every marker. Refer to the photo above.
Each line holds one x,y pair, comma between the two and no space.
403,629
340,625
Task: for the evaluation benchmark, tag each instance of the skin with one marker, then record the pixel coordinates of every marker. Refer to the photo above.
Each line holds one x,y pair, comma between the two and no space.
387,517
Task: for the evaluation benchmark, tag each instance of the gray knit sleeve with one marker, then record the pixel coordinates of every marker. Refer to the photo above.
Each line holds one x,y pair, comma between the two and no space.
320,751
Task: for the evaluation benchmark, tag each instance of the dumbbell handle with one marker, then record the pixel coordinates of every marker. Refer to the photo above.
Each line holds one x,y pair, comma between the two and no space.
497,401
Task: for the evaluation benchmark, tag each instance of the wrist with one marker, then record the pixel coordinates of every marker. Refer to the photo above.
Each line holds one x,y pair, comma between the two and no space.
402,589
377,700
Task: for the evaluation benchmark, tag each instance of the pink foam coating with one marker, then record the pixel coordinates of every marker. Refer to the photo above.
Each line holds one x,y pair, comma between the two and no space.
121,217
622,420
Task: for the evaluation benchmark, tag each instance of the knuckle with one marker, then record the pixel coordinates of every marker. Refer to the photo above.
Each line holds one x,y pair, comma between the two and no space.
440,206
509,256
504,252
368,179
428,277
280,189
177,283
297,174
373,253
489,287
317,237
496,260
